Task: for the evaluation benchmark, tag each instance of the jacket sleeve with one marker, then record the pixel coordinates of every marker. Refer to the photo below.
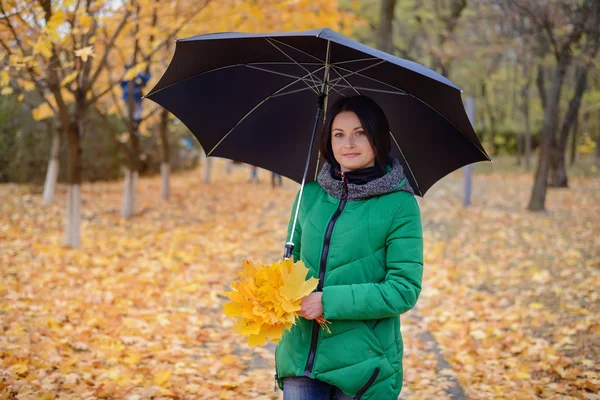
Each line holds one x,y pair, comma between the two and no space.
400,290
297,231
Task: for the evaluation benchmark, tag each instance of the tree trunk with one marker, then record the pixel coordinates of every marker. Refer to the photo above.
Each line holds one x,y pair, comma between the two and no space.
131,178
574,141
598,143
541,85
559,172
73,229
386,19
165,168
519,147
53,166
491,119
538,193
207,168
527,139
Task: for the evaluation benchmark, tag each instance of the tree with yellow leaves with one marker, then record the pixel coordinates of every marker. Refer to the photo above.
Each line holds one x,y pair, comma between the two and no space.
52,47
73,53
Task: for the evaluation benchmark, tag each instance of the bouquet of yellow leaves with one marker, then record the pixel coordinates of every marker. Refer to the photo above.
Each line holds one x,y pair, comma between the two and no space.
266,299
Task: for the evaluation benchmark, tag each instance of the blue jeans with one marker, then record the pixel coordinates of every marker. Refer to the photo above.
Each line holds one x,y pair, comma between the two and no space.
303,388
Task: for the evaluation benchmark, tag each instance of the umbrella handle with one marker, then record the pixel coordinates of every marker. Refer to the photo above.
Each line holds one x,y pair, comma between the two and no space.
287,252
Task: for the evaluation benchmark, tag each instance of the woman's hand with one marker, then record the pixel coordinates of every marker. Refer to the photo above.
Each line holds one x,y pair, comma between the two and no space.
312,307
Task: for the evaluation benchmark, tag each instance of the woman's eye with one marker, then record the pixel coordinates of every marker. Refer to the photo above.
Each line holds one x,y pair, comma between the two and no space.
360,133
338,134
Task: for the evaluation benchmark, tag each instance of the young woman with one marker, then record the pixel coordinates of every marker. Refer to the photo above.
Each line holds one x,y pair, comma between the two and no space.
359,232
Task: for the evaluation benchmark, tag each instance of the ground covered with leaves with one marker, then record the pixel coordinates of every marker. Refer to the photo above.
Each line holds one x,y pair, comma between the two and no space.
510,307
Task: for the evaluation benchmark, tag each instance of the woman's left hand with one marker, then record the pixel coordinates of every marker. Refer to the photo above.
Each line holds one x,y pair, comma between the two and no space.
312,306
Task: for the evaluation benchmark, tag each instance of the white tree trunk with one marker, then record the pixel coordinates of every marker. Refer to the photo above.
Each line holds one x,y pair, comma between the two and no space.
165,170
207,168
73,237
52,172
128,209
51,178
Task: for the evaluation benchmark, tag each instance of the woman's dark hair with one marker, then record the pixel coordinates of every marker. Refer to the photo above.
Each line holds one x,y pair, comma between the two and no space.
373,120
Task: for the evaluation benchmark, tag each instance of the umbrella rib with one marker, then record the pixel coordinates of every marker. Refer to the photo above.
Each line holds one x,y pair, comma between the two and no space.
407,164
358,72
191,77
301,51
282,63
345,80
251,111
371,89
291,92
357,60
294,61
283,74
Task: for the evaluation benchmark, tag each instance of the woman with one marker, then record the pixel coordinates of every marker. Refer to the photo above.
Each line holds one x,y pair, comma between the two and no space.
359,232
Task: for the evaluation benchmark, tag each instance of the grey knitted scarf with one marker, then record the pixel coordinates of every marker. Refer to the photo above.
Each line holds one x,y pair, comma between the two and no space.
376,187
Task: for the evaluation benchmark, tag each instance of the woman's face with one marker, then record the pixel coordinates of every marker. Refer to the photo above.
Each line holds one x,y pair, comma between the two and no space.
350,143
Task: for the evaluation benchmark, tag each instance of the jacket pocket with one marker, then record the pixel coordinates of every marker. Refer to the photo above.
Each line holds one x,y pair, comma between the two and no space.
367,385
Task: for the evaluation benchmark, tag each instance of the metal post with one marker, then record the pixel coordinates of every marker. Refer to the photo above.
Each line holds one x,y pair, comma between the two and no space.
470,107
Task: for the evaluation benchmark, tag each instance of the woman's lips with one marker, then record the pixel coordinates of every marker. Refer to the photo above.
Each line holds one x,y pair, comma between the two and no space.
351,155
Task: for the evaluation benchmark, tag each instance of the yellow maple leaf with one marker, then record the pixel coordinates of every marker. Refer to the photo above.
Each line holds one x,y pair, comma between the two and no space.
42,111
133,358
85,22
43,47
85,53
19,369
69,78
162,377
266,299
295,287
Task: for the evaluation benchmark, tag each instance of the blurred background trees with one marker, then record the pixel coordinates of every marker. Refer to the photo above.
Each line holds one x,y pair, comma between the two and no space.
72,71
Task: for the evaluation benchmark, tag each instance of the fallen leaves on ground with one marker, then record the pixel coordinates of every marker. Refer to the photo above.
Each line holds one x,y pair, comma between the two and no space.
511,297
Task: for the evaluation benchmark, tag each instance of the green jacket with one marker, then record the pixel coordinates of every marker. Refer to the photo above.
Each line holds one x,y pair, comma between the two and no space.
365,243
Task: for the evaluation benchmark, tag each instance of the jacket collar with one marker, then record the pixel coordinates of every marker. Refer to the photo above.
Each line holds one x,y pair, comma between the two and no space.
366,183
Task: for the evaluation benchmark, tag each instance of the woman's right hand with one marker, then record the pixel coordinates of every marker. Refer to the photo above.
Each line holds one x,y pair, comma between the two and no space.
312,306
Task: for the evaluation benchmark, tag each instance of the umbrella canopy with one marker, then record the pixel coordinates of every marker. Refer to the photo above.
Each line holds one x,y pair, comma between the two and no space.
253,97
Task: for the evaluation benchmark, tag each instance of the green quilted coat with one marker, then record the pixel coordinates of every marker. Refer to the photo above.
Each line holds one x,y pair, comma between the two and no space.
365,243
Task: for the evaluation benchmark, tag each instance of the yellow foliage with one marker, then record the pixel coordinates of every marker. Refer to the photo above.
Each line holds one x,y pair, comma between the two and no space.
28,86
85,22
266,299
69,78
42,111
162,377
133,71
43,47
85,53
4,78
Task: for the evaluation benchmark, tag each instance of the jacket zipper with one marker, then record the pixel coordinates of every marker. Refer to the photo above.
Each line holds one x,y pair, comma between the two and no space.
367,385
323,265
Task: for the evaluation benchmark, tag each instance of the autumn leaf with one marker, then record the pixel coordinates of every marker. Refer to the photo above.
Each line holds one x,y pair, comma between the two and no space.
69,78
85,53
266,299
43,47
42,111
292,273
162,377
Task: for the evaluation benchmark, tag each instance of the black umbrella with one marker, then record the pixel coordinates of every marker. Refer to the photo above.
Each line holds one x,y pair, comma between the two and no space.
253,97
